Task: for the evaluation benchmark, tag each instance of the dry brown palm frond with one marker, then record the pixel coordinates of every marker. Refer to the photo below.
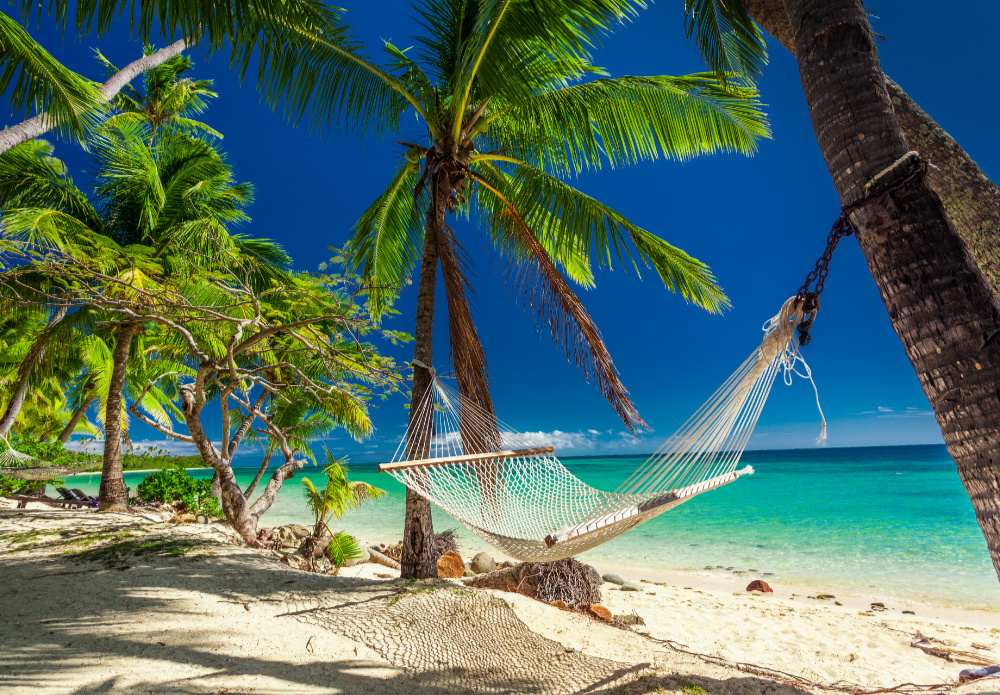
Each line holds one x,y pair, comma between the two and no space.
467,355
546,292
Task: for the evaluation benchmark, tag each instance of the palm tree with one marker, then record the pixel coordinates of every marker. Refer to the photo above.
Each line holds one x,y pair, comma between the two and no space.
941,306
499,144
339,497
167,100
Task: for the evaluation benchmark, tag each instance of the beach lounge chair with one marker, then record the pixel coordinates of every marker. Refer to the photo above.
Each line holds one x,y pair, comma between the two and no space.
92,501
67,495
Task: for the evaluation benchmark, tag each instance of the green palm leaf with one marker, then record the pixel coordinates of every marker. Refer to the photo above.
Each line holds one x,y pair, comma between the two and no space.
38,83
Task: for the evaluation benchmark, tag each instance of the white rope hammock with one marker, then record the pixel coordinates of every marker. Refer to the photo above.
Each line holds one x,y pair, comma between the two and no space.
522,500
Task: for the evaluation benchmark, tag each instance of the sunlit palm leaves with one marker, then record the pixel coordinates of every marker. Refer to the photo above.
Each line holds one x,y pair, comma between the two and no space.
38,83
503,138
730,42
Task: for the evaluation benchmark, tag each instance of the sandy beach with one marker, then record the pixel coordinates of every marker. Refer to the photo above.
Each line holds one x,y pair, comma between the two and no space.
194,612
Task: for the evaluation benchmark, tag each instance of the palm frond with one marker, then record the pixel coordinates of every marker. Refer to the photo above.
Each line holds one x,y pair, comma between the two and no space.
628,119
387,240
730,42
38,83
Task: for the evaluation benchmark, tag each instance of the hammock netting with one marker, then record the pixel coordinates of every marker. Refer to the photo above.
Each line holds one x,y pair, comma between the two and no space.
515,494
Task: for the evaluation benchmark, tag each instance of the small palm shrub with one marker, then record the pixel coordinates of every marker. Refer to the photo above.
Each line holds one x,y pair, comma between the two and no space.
175,485
339,497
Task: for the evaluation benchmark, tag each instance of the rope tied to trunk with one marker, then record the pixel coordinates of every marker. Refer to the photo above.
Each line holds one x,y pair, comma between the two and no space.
809,298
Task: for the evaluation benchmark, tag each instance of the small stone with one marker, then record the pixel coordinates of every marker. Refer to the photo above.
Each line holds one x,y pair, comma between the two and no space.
909,612
483,563
322,564
632,586
469,573
630,619
451,565
594,572
505,564
760,585
202,519
561,605
837,603
825,596
299,531
613,578
600,612
878,606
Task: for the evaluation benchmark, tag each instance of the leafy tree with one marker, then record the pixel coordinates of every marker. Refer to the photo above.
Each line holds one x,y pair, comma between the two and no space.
499,146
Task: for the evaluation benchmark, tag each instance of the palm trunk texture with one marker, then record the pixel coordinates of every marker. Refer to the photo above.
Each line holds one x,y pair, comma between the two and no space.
970,199
941,306
418,558
113,494
78,414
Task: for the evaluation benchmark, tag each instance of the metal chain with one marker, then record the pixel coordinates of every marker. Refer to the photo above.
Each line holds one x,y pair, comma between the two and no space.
809,299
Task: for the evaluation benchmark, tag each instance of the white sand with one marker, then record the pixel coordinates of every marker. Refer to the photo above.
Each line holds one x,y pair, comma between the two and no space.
232,618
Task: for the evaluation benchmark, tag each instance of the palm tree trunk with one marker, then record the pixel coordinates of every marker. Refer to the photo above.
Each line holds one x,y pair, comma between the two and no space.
418,558
970,199
113,494
75,420
941,306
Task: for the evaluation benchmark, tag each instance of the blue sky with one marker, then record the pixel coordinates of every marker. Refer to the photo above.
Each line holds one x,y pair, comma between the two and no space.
759,222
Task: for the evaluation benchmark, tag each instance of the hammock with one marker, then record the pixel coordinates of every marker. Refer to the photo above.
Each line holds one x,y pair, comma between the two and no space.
518,496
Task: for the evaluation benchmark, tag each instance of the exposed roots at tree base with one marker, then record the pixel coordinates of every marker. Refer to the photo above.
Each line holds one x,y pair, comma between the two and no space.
566,580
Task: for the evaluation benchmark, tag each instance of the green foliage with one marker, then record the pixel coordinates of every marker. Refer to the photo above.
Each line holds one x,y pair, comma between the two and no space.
175,485
339,497
343,546
37,82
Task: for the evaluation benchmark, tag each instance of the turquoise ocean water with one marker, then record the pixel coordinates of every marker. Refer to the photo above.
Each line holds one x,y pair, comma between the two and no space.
883,521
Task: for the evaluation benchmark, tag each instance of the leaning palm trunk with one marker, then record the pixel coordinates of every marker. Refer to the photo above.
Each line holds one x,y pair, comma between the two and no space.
941,306
78,414
113,494
34,358
970,199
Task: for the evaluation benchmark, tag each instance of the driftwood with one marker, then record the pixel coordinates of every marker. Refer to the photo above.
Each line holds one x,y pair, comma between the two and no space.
566,580
956,655
384,560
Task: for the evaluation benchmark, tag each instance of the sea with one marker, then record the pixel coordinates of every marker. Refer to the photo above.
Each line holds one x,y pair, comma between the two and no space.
892,522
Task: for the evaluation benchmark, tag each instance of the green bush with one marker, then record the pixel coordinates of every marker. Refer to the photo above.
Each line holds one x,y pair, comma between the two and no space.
175,485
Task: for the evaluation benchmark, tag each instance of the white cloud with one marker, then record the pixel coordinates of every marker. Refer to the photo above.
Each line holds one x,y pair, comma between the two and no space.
885,412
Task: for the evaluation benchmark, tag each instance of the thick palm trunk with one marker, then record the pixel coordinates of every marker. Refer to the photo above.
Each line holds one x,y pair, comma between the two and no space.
941,306
970,199
418,558
75,420
113,494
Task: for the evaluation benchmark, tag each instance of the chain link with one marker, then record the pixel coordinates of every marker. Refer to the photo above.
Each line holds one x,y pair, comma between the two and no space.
809,299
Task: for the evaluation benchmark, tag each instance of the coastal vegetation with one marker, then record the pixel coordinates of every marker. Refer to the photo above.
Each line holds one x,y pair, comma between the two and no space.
137,296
